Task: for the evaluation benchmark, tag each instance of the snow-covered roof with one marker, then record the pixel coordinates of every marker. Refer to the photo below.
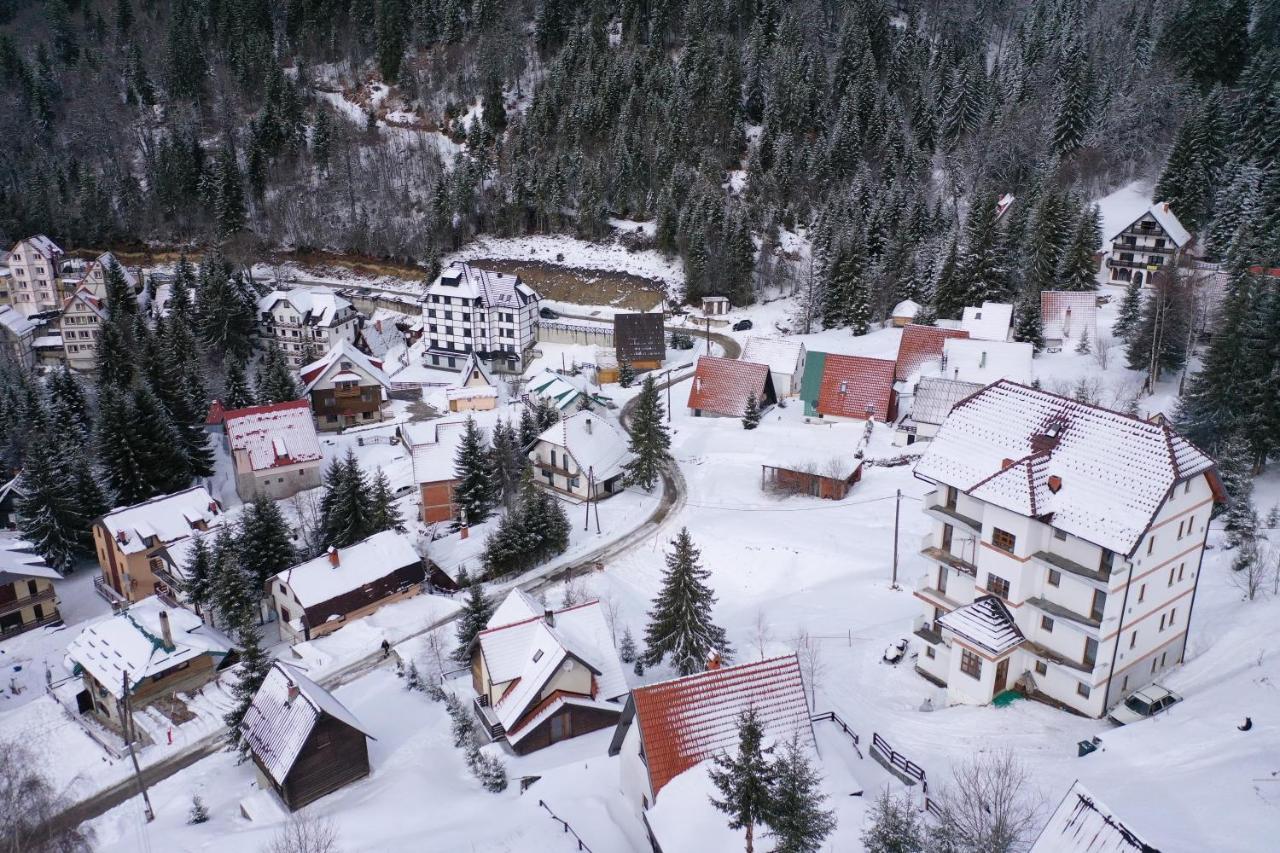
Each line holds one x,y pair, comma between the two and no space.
854,386
319,580
920,344
470,393
990,322
516,607
1083,824
132,642
85,295
639,336
163,518
284,711
688,720
907,308
986,623
830,449
433,446
782,355
593,442
273,436
494,289
42,244
935,397
985,361
319,307
721,386
1064,313
1164,216
557,389
17,324
1099,474
366,370
530,652
18,560
472,372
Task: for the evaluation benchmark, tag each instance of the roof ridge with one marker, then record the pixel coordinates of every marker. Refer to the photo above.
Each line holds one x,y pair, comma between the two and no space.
720,671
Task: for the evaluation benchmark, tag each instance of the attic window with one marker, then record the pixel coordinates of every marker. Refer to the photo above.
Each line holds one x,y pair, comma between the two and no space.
844,387
537,656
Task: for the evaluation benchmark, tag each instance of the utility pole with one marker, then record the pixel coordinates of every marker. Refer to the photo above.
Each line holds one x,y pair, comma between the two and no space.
128,715
586,519
597,501
708,336
897,511
668,382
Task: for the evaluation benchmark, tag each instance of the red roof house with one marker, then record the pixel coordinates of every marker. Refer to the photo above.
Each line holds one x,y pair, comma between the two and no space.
275,449
683,722
856,387
721,387
920,344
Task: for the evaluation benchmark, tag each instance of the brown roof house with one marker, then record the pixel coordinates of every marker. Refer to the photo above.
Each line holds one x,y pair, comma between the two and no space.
721,387
542,676
304,742
920,345
275,449
321,595
346,387
848,387
640,340
27,596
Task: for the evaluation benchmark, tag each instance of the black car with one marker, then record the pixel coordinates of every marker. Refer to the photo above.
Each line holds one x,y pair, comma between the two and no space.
742,325
548,314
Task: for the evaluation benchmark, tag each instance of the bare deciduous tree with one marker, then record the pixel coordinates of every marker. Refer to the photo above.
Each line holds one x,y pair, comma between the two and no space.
306,509
305,834
611,608
29,807
1102,351
812,666
761,632
990,807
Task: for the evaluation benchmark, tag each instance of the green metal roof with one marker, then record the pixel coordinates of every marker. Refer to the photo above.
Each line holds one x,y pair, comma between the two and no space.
811,382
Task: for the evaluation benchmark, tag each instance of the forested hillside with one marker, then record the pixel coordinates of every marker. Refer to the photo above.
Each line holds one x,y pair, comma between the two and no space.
885,132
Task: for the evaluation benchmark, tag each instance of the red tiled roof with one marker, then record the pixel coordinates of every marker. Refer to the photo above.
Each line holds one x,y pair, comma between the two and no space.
853,385
721,385
688,720
920,344
274,435
216,414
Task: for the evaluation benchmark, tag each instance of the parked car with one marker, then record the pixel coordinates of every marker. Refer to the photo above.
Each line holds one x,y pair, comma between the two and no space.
1147,702
548,314
742,325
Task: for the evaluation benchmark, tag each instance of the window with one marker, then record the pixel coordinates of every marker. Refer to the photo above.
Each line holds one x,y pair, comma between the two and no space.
1190,523
537,656
1154,663
284,614
1003,539
1172,572
1133,639
1186,488
1124,685
1046,624
1090,652
1083,690
1142,593
1099,605
1042,668
998,586
929,652
1173,614
1182,568
1107,563
1055,577
1163,656
1151,543
1180,526
1162,618
1060,535
970,664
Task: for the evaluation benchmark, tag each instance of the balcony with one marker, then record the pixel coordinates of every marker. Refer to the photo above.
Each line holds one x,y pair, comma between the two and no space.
927,631
108,592
926,590
948,515
1057,611
52,619
1062,564
1054,657
489,719
46,594
946,558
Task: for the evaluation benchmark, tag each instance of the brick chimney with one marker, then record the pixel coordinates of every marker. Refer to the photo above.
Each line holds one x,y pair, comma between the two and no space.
334,559
165,631
294,692
713,661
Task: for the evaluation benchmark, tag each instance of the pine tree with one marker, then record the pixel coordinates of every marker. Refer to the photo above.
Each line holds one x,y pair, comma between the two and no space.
1235,467
529,427
473,618
1160,340
508,461
252,670
626,373
1079,269
235,598
236,392
275,378
745,780
264,541
950,295
680,625
1072,115
48,514
386,515
1029,327
119,456
390,39
1083,348
1130,310
159,445
199,813
650,440
531,533
321,138
796,819
201,577
895,826
68,406
228,194
627,647
347,510
751,415
474,493
1209,410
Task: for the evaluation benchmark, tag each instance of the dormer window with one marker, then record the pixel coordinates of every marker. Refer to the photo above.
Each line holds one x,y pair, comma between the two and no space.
537,656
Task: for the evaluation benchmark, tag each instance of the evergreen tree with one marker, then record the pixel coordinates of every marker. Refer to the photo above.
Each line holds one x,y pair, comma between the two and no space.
950,295
1079,269
796,818
390,38
227,193
236,392
751,416
321,138
1083,348
1235,467
627,647
472,619
119,455
1161,338
1073,110
982,274
1029,326
1130,310
1209,410
252,670
529,427
386,515
48,514
159,445
347,510
201,577
68,406
275,378
626,373
680,625
115,355
264,541
894,828
536,530
745,780
509,462
474,493
650,440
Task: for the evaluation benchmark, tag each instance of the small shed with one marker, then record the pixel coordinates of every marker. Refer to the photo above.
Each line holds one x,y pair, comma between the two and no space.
715,305
304,742
639,339
831,480
1066,315
904,312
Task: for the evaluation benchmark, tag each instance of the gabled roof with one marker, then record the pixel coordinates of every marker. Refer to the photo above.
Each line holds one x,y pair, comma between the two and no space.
84,295
319,580
433,447
319,308
688,720
166,518
275,435
990,322
1164,216
920,344
985,361
1083,824
41,244
639,337
1003,444
472,371
935,397
19,561
528,653
1064,313
782,355
16,323
593,442
721,386
369,370
493,289
906,308
986,623
132,642
277,724
854,386
557,389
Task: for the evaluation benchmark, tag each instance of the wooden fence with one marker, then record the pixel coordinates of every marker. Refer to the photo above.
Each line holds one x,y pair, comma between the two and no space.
844,727
897,763
582,845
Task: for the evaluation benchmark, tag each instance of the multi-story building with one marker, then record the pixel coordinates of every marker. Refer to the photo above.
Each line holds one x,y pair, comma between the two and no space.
17,336
492,314
1152,241
346,388
1065,550
27,596
307,323
80,324
34,264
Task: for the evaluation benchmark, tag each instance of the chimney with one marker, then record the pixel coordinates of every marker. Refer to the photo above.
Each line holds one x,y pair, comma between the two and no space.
334,559
164,629
293,692
549,616
713,661
1055,483
587,421
1005,463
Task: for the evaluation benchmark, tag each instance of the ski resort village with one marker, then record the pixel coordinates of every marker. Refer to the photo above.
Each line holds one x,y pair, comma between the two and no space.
628,427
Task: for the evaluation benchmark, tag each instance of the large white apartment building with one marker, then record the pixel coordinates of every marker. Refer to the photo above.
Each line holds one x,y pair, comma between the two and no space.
33,273
492,314
307,323
85,310
1065,550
